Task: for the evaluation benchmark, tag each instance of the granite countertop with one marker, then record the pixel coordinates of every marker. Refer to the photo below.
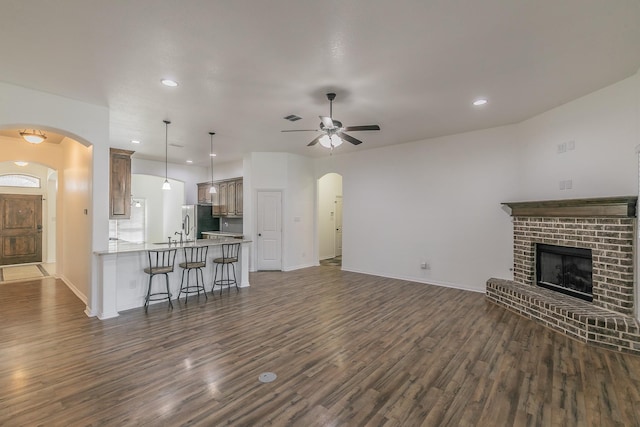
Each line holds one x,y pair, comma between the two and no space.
119,246
222,233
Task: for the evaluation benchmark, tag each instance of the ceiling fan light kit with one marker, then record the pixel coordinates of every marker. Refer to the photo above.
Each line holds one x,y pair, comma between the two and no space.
333,131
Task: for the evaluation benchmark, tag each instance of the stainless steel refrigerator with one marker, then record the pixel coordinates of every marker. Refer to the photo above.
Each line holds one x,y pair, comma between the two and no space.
196,219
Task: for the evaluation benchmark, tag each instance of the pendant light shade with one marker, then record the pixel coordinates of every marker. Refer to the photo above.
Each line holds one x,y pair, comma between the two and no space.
166,185
212,190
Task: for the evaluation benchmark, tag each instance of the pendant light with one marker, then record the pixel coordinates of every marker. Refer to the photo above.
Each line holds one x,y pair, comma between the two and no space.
166,185
212,190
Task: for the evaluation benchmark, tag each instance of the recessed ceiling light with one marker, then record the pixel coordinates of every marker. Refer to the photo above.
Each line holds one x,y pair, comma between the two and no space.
189,161
212,155
169,82
135,141
479,102
20,163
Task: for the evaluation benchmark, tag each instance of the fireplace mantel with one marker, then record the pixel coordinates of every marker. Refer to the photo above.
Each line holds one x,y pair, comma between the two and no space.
612,207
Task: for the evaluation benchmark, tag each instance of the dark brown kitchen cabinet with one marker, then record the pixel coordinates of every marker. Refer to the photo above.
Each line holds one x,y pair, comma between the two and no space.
239,190
227,200
231,198
222,198
120,183
204,195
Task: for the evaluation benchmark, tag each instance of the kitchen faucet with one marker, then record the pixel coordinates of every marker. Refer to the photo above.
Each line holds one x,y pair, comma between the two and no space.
180,233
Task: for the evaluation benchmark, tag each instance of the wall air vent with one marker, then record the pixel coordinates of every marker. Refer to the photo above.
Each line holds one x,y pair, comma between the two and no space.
292,118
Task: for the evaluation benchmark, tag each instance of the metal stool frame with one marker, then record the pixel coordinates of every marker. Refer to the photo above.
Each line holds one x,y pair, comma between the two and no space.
195,258
161,261
229,259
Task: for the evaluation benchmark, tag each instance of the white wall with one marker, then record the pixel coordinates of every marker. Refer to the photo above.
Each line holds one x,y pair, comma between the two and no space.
439,200
329,187
75,223
294,176
89,125
299,213
603,128
189,175
436,201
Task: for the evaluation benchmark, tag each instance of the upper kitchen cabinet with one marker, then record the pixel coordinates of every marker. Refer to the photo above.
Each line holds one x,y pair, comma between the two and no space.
239,197
120,183
228,198
204,194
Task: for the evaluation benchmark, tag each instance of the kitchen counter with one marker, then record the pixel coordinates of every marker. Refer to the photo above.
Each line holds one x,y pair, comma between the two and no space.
221,235
120,246
122,282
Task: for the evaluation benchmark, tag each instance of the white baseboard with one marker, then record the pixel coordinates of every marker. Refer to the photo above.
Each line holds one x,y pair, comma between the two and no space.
419,280
75,290
298,267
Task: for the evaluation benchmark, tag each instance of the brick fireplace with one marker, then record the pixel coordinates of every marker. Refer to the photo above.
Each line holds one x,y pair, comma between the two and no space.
605,226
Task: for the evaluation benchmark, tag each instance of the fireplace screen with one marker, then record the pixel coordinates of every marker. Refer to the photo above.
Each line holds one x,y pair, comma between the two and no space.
564,269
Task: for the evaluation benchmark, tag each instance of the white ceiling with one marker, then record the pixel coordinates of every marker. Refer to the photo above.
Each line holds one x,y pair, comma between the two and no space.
411,66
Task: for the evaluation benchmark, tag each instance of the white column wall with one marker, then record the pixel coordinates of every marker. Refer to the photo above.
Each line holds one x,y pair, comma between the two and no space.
89,125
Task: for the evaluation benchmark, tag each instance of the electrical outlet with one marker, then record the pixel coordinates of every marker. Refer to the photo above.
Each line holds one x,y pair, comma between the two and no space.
562,185
425,265
571,145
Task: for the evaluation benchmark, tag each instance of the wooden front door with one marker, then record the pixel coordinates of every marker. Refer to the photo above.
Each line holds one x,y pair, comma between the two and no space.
20,228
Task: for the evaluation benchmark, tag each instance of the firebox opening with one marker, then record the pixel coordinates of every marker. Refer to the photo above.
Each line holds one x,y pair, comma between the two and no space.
565,269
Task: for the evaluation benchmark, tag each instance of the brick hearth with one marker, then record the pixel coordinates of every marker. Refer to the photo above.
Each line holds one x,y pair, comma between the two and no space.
607,227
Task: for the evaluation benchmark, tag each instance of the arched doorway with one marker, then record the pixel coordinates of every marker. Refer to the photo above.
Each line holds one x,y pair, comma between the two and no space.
330,219
66,170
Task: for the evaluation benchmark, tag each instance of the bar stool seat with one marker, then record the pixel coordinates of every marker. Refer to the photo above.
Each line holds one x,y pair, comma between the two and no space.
227,266
160,262
195,258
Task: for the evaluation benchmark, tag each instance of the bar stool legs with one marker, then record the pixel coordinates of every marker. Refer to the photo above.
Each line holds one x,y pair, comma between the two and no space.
160,262
195,259
149,294
227,267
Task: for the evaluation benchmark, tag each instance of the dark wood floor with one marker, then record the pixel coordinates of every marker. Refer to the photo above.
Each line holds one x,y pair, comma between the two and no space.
348,349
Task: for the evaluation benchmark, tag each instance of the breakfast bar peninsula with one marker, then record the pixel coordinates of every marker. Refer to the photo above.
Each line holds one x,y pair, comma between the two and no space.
122,282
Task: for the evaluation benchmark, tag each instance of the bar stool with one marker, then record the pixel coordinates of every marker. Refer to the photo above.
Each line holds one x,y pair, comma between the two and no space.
161,261
195,258
229,259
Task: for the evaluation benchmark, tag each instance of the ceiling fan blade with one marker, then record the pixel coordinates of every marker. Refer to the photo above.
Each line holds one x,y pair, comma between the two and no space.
315,141
366,127
301,130
349,138
327,122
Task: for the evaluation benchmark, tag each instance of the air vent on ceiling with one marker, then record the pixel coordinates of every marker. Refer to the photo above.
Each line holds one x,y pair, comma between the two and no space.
292,118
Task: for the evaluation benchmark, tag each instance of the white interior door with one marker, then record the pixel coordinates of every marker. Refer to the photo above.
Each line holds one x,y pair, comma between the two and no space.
269,209
338,223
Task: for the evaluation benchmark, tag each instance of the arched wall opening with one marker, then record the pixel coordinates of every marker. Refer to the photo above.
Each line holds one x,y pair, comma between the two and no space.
329,216
156,214
65,167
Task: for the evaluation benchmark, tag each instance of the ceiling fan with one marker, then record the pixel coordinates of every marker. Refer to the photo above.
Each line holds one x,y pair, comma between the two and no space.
333,133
